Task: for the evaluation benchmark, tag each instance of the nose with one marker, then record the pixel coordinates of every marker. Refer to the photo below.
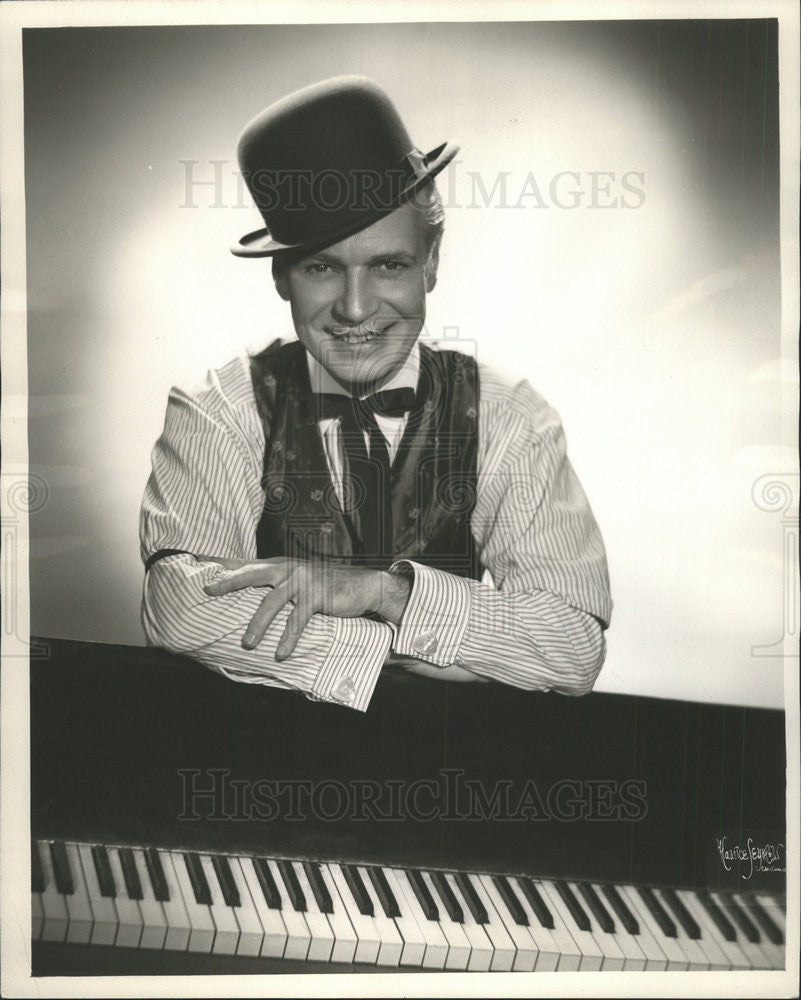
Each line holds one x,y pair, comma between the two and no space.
357,300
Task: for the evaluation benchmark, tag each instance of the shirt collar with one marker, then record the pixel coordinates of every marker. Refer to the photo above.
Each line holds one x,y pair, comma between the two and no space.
405,378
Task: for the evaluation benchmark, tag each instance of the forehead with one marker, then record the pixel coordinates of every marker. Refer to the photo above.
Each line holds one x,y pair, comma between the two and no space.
402,231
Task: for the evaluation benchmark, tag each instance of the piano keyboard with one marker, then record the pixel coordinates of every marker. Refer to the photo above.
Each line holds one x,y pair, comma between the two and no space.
220,904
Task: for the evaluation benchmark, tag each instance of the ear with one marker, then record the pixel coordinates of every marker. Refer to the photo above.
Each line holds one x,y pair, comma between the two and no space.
432,264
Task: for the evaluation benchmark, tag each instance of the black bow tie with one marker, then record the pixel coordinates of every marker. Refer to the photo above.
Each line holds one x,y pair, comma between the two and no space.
389,403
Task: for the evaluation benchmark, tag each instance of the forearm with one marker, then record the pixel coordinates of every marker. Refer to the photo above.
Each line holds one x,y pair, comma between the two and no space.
532,640
178,615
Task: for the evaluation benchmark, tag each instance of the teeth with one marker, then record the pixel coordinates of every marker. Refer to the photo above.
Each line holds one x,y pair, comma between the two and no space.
351,337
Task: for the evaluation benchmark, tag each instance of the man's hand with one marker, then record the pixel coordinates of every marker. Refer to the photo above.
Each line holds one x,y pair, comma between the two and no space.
313,588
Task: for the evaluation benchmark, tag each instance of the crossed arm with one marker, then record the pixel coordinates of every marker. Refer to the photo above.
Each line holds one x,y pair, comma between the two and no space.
288,624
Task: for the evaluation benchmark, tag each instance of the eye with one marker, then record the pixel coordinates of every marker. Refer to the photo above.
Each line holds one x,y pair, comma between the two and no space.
318,269
392,266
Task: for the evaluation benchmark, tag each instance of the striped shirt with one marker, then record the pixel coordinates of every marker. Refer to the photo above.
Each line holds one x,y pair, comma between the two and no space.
537,625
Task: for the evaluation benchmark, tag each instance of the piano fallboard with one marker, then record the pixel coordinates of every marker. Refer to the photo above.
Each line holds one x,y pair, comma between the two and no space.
134,746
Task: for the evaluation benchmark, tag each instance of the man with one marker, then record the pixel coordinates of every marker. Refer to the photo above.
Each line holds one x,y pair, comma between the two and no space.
330,505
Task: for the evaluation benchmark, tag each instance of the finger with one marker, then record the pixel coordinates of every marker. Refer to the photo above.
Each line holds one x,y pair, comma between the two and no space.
295,624
225,563
261,574
264,616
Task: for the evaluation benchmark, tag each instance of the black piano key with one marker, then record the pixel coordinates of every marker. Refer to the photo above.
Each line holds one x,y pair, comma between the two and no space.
386,897
130,874
657,911
358,890
268,887
474,904
155,872
37,871
449,900
536,902
424,897
682,914
765,921
296,896
507,894
222,870
597,908
624,914
105,876
318,886
61,868
576,910
717,915
742,920
200,887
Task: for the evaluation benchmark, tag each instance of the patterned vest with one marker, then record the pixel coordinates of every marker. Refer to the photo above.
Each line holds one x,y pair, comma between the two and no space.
433,475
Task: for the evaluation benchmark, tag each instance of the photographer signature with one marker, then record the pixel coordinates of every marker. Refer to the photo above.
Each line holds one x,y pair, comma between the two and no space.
763,858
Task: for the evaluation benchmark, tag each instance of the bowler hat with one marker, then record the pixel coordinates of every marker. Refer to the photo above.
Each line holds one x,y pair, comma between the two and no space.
327,161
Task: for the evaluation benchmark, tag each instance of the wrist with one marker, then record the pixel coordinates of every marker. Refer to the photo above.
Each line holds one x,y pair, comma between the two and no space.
394,591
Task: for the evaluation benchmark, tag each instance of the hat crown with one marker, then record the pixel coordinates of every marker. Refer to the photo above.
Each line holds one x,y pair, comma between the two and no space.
344,124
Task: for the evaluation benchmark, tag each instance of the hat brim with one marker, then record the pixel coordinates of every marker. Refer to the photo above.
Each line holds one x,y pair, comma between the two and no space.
261,244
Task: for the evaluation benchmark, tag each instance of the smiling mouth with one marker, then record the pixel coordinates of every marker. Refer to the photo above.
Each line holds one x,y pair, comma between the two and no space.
354,335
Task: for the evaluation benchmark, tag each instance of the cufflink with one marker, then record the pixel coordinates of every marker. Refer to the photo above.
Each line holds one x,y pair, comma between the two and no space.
426,643
344,691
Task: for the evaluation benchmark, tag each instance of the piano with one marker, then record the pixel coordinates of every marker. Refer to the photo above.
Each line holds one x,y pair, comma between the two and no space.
183,823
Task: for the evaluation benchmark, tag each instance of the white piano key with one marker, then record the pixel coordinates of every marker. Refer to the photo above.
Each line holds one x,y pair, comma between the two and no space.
201,937
179,926
734,957
504,944
37,916
414,940
392,947
79,908
752,950
482,952
56,917
458,945
697,959
557,949
251,930
774,953
129,933
672,950
104,914
436,953
708,941
526,950
298,939
633,957
154,930
363,928
655,958
322,937
226,936
613,957
275,932
775,908
345,937
591,954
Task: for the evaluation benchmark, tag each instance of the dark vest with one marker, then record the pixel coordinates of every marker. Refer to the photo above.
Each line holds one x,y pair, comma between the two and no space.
433,475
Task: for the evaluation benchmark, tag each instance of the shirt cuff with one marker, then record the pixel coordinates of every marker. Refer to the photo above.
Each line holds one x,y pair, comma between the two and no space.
350,671
436,614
